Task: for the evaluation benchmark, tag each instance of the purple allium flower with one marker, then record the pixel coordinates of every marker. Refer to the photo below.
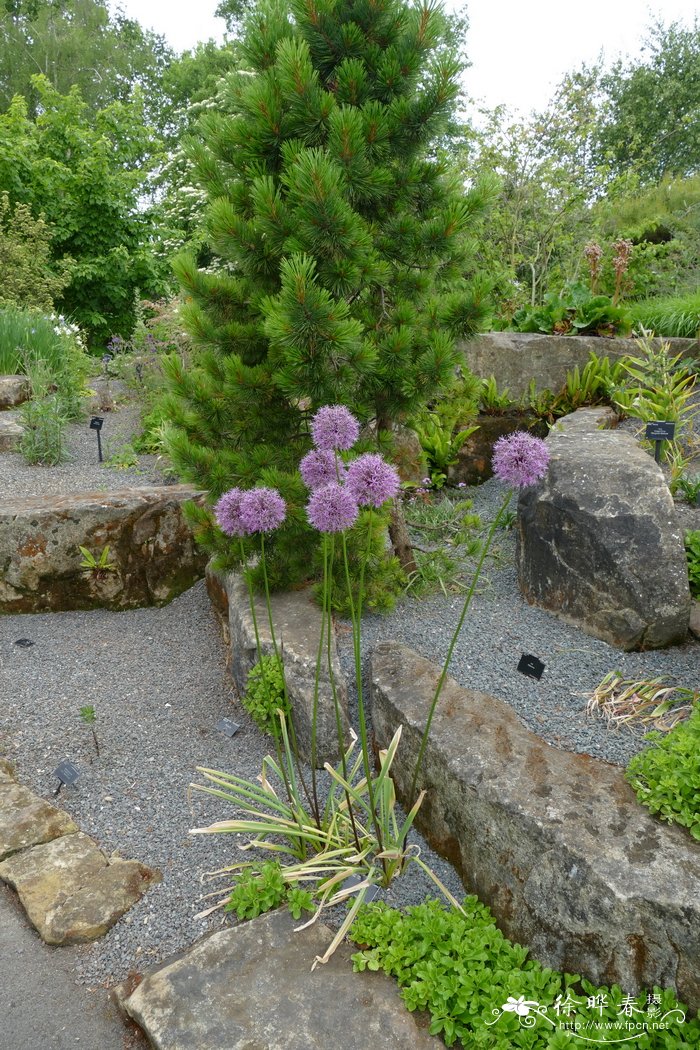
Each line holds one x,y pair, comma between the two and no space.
520,459
372,480
321,467
227,512
332,508
262,510
461,484
334,426
427,482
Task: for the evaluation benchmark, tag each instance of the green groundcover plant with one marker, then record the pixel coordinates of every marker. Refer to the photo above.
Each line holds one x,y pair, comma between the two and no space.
666,776
692,552
482,990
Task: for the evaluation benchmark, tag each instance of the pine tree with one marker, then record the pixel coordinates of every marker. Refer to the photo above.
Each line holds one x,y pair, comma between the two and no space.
341,239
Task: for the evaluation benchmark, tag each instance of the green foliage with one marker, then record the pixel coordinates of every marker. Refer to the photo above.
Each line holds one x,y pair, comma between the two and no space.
256,893
97,566
27,277
452,531
659,386
460,968
492,400
689,488
88,715
123,458
596,382
44,422
677,316
265,693
343,264
574,310
85,172
382,581
692,550
666,777
32,340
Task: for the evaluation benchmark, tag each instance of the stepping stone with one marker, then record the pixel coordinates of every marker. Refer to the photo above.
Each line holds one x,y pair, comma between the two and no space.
13,391
252,987
26,819
71,891
10,433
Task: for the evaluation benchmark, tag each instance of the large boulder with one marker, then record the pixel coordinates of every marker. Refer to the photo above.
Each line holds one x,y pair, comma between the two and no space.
518,358
598,540
26,819
555,843
151,548
14,390
297,621
11,432
252,988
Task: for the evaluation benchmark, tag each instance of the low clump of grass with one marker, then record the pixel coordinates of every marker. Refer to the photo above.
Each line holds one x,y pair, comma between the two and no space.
621,701
676,316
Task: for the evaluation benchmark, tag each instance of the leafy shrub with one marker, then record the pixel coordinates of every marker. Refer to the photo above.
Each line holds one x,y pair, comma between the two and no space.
44,423
461,969
27,277
265,693
31,339
692,552
255,894
676,316
574,310
666,777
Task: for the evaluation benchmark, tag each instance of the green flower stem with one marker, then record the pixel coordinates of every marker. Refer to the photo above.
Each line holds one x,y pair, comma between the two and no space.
328,607
443,674
317,677
275,647
357,651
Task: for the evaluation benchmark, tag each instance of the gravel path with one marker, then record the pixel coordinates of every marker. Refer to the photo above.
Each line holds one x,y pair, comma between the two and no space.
157,681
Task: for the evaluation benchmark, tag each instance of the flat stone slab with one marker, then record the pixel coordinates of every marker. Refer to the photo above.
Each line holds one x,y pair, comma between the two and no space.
10,433
555,843
599,542
26,819
14,390
297,621
71,891
251,988
150,545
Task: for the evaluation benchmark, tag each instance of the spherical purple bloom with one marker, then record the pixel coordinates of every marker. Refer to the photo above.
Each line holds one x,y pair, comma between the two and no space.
334,426
227,512
372,480
320,467
262,510
520,459
332,508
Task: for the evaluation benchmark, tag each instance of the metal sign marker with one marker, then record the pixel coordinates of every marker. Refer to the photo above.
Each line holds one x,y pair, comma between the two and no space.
96,424
530,666
659,431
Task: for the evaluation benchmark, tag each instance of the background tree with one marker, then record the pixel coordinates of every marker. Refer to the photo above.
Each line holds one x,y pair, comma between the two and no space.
343,257
28,276
82,172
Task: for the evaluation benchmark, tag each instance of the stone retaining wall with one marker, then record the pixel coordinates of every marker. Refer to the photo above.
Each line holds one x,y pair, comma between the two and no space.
555,843
150,545
516,358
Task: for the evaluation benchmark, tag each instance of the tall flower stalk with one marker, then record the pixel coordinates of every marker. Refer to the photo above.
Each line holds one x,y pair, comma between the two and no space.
356,830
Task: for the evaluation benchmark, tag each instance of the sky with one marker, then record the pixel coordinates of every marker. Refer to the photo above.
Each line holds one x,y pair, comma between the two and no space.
519,49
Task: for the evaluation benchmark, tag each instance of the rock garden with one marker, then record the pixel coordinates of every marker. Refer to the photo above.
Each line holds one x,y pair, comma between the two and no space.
349,647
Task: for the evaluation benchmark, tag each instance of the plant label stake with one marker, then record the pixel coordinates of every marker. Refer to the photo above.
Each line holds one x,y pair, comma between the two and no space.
658,432
228,727
67,773
96,424
531,666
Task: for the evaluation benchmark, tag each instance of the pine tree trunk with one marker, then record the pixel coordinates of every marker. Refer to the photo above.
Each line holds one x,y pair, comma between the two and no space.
400,540
398,532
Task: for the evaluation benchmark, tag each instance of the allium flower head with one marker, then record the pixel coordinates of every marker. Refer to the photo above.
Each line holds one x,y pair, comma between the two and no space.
262,510
332,508
520,459
372,480
321,467
334,426
227,512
